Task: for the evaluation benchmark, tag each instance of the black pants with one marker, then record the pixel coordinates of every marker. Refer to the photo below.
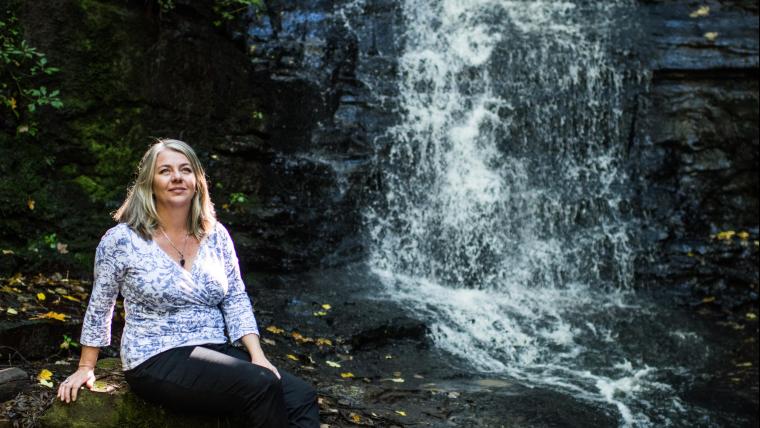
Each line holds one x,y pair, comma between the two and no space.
220,379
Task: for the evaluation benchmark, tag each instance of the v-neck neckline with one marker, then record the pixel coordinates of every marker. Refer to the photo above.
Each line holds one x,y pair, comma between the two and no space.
175,263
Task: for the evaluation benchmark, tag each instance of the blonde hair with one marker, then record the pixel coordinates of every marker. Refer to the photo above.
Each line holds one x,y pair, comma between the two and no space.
139,208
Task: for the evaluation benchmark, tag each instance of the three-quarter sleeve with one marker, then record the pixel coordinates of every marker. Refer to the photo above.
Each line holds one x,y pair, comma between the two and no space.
108,275
236,306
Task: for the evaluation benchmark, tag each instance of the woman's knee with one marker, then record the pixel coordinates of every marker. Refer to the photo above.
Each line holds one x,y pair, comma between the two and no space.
297,392
309,394
265,382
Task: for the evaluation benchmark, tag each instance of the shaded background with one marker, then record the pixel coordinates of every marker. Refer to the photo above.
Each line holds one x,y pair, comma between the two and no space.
276,101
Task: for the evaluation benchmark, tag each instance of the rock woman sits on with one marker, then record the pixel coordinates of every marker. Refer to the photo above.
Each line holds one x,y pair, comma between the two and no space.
178,272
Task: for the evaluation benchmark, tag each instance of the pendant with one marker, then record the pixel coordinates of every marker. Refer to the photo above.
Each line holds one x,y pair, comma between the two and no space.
182,262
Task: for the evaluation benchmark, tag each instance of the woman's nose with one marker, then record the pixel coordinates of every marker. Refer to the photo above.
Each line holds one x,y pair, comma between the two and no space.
176,176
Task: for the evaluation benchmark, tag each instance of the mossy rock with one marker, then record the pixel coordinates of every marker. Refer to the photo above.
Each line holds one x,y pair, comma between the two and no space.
111,405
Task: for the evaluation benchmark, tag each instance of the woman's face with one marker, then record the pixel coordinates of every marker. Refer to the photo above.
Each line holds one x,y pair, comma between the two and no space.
173,180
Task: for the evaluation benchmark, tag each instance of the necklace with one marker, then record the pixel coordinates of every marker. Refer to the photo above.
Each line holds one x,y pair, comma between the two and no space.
181,253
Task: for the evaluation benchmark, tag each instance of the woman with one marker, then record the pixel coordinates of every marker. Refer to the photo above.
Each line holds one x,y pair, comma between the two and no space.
177,269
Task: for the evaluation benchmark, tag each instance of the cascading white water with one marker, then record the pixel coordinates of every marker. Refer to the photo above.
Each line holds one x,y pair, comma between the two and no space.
503,214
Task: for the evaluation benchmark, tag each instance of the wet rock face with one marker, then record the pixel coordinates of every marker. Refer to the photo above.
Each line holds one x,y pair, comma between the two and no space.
320,67
697,144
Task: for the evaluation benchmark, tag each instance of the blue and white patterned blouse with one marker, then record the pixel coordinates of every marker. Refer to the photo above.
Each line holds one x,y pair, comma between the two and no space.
166,306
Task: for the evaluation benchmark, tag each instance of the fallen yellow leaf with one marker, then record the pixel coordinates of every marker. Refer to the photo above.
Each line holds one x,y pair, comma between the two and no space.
41,296
44,374
30,203
397,380
275,330
702,11
747,364
50,315
711,35
324,342
743,235
401,412
16,279
293,357
47,383
268,341
12,311
332,363
751,316
326,306
355,418
726,234
301,338
346,375
7,252
320,314
708,299
72,298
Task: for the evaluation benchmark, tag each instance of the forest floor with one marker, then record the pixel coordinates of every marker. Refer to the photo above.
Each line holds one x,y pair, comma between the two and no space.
372,364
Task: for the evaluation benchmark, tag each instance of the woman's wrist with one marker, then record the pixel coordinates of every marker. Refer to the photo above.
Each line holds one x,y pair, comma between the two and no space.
251,343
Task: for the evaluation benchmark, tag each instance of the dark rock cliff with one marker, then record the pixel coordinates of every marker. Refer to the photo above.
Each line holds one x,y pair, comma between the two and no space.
696,148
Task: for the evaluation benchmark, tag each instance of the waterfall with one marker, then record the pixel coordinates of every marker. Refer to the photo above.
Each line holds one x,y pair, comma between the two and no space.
503,214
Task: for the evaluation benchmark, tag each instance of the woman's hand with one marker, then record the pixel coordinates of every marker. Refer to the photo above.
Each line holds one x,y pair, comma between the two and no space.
262,361
251,342
67,390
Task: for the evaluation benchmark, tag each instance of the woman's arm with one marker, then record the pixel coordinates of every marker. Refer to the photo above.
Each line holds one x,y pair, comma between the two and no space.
89,357
236,306
85,375
96,326
251,342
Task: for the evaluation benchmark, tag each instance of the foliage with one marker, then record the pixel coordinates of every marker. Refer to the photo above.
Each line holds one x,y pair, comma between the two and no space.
109,139
225,9
68,342
238,198
165,5
22,66
239,202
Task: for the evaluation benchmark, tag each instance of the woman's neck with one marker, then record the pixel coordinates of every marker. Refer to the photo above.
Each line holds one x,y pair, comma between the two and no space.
173,220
